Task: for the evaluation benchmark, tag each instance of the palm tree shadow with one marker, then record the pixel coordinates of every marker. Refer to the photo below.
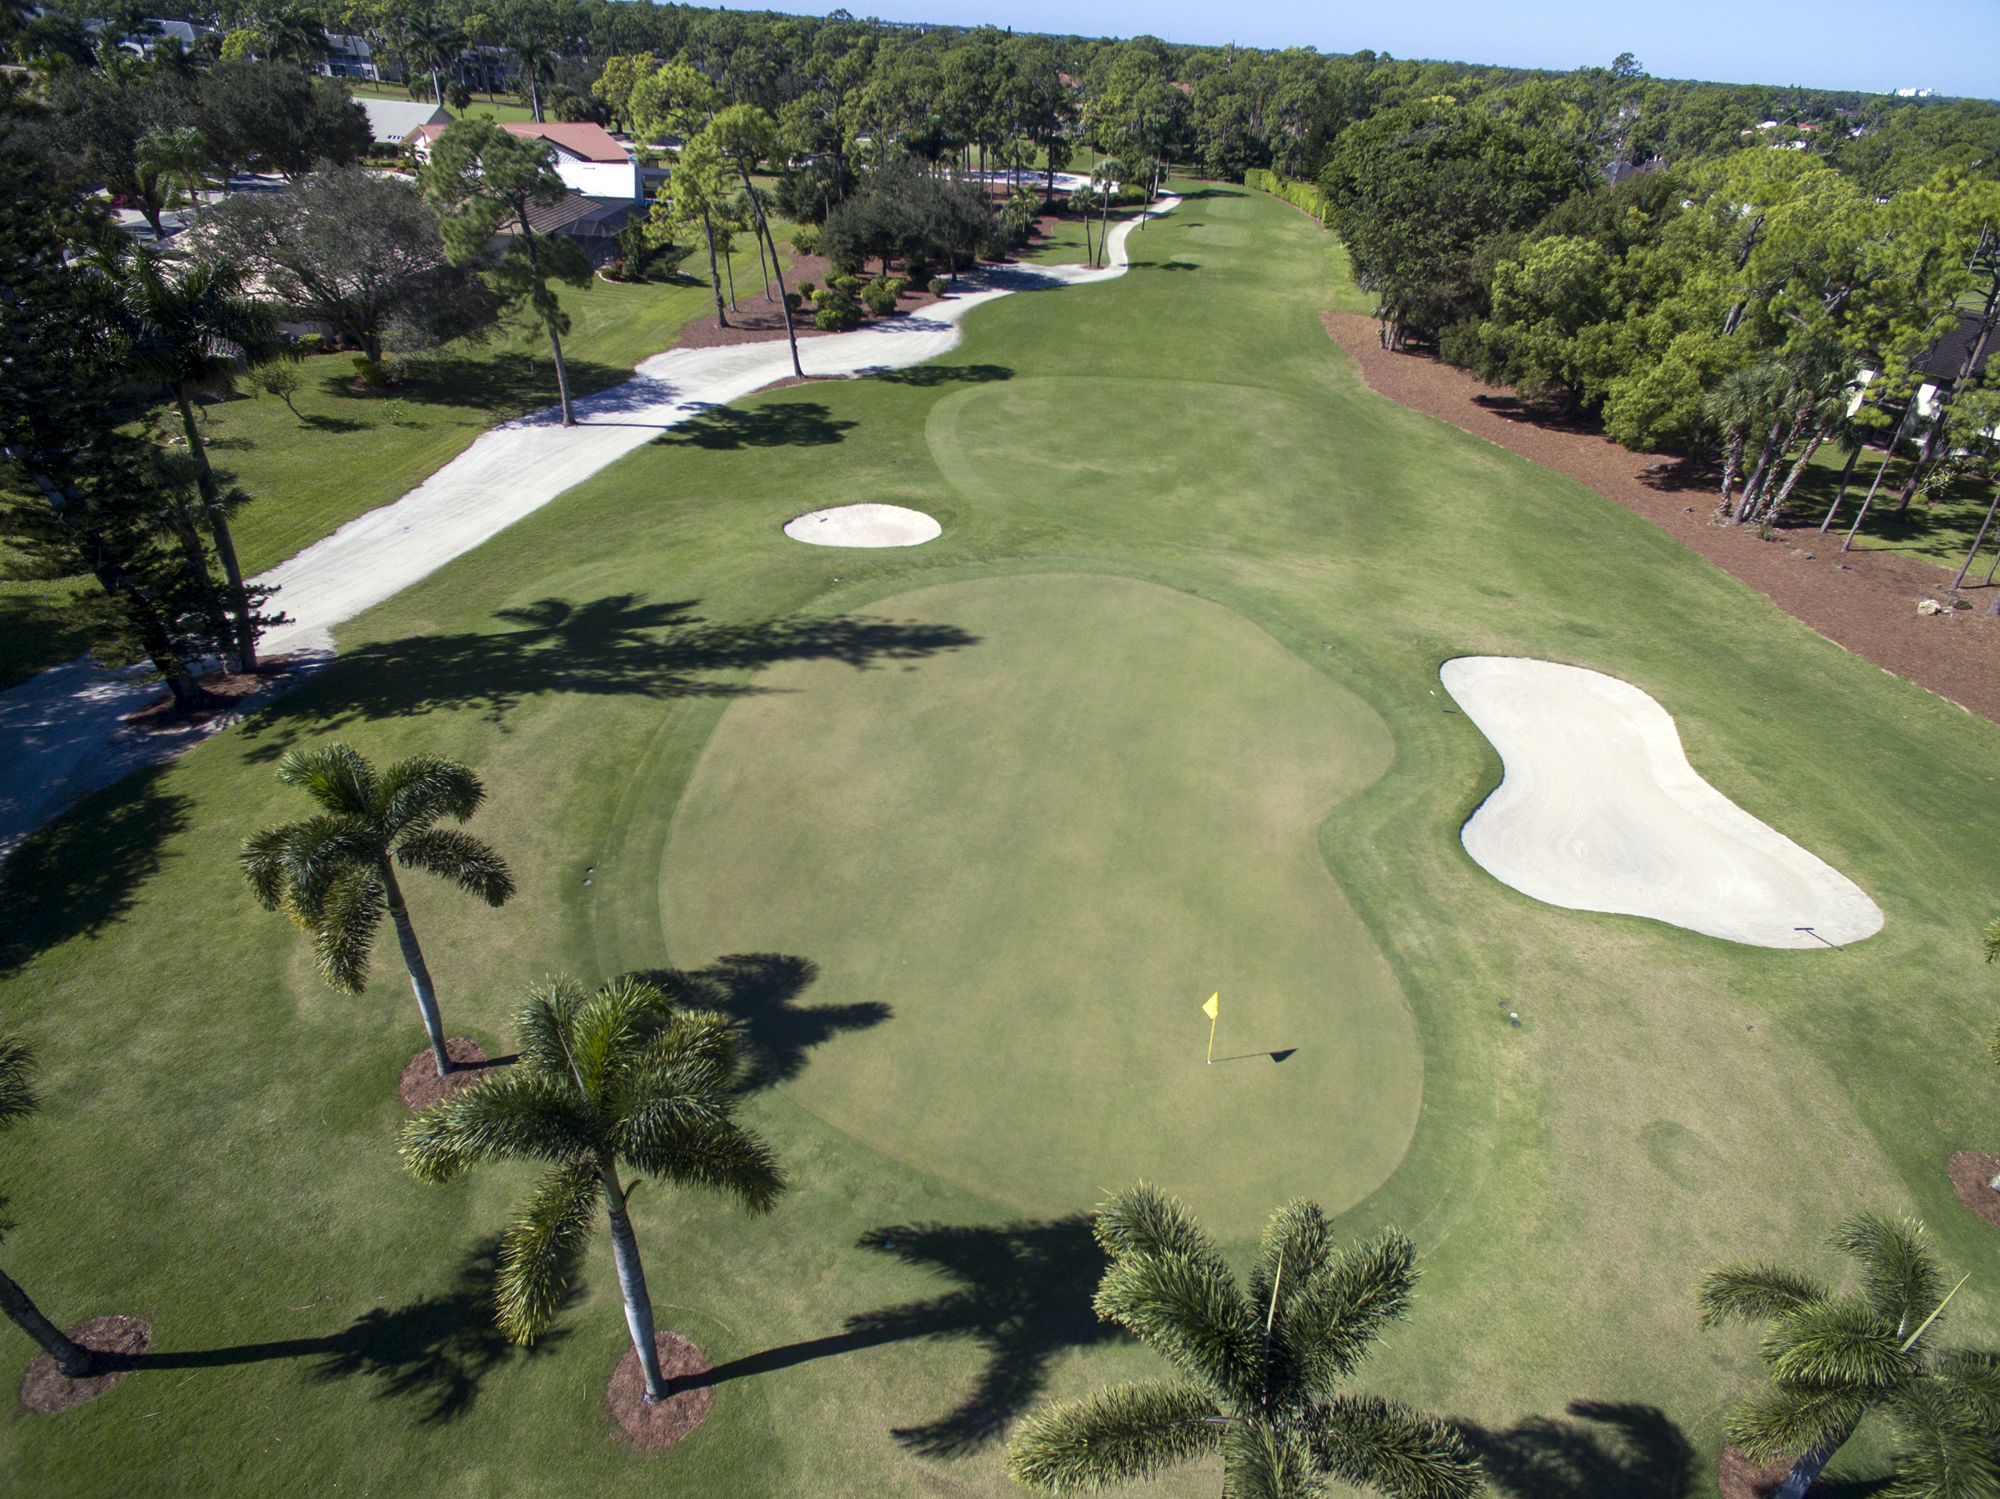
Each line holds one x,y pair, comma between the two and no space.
616,645
80,873
435,1352
1633,1451
1022,1293
756,991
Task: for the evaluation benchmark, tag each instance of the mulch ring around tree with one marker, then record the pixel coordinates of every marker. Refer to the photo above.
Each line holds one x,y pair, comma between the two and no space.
421,1086
117,1342
654,1428
1970,1173
1739,1478
224,693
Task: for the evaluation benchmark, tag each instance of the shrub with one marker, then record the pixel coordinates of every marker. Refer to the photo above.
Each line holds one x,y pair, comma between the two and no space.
918,269
878,299
897,286
938,285
373,373
836,311
805,239
848,283
805,288
311,343
794,301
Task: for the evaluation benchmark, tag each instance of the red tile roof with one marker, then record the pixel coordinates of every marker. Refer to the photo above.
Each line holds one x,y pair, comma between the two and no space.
585,141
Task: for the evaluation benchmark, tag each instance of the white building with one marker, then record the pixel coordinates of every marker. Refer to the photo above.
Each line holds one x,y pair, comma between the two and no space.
588,158
392,120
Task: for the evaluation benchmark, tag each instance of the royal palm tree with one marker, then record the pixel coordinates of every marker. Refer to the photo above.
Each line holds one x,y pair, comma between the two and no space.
17,1101
294,34
1255,1367
335,874
536,60
1834,1359
618,1075
431,44
176,156
188,330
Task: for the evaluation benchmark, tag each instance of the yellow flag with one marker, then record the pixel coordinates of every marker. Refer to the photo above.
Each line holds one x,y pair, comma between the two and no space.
1213,1006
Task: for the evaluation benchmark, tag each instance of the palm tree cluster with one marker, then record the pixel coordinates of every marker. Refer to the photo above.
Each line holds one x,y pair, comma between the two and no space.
1834,1359
1256,1366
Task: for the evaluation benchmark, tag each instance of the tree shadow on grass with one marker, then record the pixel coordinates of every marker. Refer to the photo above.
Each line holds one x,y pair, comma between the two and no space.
1633,1451
784,424
435,1352
619,645
1164,265
333,424
756,991
79,874
1022,1294
927,376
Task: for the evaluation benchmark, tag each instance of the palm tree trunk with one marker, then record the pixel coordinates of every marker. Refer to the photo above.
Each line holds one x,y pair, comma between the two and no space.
1977,542
73,1360
763,225
413,960
1846,475
1742,512
1805,1472
562,379
1791,480
714,274
1732,463
632,1283
218,528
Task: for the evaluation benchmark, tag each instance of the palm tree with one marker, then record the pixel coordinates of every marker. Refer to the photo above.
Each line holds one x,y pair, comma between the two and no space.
17,1101
1833,1359
335,874
430,45
536,61
1256,1368
188,331
615,1075
177,157
296,34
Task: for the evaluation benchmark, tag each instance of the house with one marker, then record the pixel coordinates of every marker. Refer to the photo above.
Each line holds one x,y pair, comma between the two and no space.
594,223
351,57
587,157
392,120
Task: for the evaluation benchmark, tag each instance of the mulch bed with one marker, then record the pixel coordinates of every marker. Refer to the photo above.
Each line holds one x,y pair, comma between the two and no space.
1869,605
654,1428
117,1342
1739,1478
1970,1172
756,321
421,1086
226,691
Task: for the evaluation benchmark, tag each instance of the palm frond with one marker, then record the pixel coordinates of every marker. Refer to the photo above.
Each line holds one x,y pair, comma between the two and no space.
1295,1248
1898,1275
541,1247
1972,1377
344,925
1947,1447
1754,1293
1145,1220
1188,1309
1989,940
542,1022
521,1114
703,1149
1839,1343
693,1054
1781,1420
419,790
1119,1435
1260,1461
1327,1327
460,857
320,851
1380,1445
17,1080
264,859
333,775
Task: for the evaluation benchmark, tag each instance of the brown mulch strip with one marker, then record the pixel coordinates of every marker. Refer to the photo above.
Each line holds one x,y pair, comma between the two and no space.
1739,1478
1869,605
654,1428
226,691
421,1086
117,1342
753,320
1970,1172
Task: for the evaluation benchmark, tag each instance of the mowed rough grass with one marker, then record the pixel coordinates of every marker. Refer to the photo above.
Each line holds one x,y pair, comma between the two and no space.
217,1151
1022,863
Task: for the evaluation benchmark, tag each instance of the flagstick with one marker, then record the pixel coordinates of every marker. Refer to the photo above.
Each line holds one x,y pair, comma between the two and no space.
1211,1040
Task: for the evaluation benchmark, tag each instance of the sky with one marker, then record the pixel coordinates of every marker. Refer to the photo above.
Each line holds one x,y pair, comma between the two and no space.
1952,46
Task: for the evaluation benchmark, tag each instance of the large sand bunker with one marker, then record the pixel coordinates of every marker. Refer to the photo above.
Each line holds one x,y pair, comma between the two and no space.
864,526
1599,810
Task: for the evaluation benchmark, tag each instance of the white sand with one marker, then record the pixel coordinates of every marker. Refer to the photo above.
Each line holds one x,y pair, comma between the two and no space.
1599,810
864,526
57,730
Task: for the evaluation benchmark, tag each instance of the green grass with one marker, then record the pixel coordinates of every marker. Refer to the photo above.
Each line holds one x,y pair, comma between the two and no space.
1939,529
496,108
217,1153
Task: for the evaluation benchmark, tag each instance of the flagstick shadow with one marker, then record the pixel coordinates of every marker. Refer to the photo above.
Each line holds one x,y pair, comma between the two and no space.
1248,1056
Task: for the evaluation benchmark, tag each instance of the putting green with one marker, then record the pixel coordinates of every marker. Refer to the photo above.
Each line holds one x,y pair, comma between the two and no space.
1041,853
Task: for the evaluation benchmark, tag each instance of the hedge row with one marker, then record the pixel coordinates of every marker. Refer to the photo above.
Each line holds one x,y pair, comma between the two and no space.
1298,194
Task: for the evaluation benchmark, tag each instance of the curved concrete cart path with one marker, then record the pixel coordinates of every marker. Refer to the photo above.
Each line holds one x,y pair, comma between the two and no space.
60,730
1600,810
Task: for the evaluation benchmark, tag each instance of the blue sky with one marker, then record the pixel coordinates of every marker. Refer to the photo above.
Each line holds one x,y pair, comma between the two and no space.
1952,46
